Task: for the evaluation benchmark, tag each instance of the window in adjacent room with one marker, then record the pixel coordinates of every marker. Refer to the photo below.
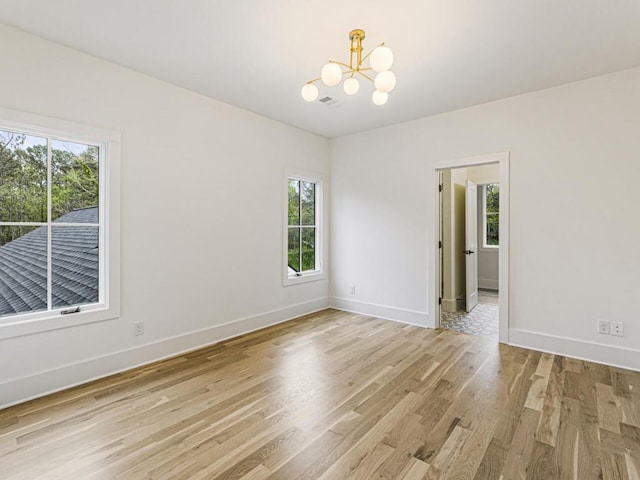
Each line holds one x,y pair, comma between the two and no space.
303,230
54,224
491,215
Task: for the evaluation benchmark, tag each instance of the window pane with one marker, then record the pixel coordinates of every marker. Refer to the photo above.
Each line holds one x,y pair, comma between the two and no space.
493,221
23,269
294,249
308,249
308,203
294,202
74,181
74,265
23,178
493,198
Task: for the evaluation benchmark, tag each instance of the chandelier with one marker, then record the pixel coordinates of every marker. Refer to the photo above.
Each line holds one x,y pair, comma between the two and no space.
380,61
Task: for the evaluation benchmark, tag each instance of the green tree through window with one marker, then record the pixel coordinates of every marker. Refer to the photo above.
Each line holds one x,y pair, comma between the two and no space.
492,214
23,180
301,225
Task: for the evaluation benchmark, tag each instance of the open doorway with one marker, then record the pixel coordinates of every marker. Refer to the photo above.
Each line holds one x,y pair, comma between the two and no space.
472,254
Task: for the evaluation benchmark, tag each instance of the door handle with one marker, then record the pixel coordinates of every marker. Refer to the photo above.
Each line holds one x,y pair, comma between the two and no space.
468,252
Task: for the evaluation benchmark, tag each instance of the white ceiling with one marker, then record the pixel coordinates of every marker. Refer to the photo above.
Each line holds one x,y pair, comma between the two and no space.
257,54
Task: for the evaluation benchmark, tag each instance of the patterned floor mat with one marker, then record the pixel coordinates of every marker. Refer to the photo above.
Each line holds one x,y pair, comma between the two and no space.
482,320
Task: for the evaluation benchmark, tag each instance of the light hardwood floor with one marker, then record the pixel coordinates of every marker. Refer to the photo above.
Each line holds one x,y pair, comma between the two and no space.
337,396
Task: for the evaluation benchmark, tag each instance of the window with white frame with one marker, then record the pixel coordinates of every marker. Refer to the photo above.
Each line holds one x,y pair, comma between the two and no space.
491,215
55,212
303,228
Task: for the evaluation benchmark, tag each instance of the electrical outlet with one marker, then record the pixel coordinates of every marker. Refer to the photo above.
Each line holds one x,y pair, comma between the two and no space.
138,328
604,327
352,289
617,329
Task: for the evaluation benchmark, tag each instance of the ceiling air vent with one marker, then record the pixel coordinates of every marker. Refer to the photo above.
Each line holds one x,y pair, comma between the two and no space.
329,101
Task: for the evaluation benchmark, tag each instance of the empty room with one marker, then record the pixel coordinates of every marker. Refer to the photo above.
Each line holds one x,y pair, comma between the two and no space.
319,240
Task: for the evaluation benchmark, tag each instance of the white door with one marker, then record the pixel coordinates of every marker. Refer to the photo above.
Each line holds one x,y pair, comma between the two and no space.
471,244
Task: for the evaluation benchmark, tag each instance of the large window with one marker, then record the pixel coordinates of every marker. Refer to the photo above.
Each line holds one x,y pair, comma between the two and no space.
303,229
491,215
54,223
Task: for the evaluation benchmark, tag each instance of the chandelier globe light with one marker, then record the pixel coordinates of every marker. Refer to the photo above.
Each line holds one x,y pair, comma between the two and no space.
351,86
331,74
385,81
379,98
310,92
380,61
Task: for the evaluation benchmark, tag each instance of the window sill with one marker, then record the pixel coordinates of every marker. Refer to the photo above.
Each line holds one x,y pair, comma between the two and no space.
31,324
495,249
308,277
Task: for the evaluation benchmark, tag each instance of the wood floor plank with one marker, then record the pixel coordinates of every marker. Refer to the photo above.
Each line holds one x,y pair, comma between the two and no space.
414,470
336,396
549,424
345,465
535,398
448,455
259,473
609,409
367,468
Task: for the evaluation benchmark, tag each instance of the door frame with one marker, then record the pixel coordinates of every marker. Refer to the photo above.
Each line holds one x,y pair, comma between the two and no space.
471,205
435,274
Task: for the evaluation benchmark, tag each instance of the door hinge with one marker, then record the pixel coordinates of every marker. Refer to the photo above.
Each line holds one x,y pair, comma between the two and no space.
440,301
440,244
440,187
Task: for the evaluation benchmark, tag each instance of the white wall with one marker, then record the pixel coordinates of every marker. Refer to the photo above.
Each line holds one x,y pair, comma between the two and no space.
574,225
197,251
480,174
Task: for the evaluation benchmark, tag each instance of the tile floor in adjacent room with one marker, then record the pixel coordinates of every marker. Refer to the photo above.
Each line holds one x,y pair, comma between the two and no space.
482,320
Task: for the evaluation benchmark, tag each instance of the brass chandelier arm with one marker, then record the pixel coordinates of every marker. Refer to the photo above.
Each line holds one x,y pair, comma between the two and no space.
350,69
368,54
366,76
314,80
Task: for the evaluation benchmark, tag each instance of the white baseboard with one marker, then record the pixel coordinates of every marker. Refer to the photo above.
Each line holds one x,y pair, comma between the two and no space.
488,283
449,304
26,388
412,317
583,350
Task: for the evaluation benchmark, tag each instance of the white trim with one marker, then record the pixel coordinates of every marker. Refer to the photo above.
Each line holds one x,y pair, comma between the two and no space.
581,349
503,253
395,314
320,272
22,389
434,274
108,142
58,129
37,322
